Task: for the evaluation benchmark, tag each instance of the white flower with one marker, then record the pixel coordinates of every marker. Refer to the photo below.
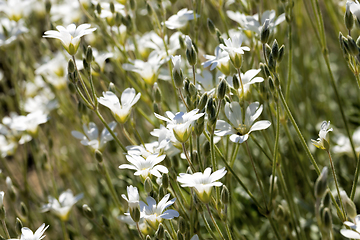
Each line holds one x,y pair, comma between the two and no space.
233,46
2,198
181,123
145,166
323,141
10,30
354,231
70,36
354,7
238,129
30,122
248,78
133,199
27,234
167,141
188,42
156,43
121,111
15,9
61,208
220,60
176,60
91,137
147,70
154,213
180,19
252,23
202,182
343,143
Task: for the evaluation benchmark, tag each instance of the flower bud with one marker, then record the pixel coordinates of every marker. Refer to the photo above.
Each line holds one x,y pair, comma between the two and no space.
179,235
160,232
211,26
71,66
203,101
149,9
105,221
281,53
326,219
349,205
182,226
236,82
148,237
265,32
219,37
222,87
267,50
225,195
148,185
132,5
135,214
321,183
178,78
47,9
89,54
18,226
12,193
167,162
86,65
280,213
206,149
98,8
191,54
352,46
98,156
192,90
71,86
157,93
165,180
112,7
87,211
348,18
272,63
265,70
275,50
327,199
23,209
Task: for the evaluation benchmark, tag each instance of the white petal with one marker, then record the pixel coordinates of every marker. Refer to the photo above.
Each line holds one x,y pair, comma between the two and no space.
239,139
260,125
350,233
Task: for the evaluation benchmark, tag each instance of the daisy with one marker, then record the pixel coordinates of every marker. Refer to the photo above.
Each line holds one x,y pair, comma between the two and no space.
91,135
181,123
154,213
27,234
180,19
202,182
234,49
248,78
323,141
220,60
238,129
120,109
70,36
62,207
145,166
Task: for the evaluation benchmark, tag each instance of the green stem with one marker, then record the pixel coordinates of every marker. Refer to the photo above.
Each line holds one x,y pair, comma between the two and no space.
64,230
214,222
336,184
188,158
256,174
140,233
207,226
111,188
276,145
110,130
5,229
274,228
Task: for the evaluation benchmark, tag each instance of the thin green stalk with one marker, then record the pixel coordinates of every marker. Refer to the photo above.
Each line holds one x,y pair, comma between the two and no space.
228,232
277,234
214,222
199,154
302,140
207,226
289,78
110,130
5,229
290,200
140,233
111,188
82,82
336,184
188,158
276,145
234,174
64,230
256,174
